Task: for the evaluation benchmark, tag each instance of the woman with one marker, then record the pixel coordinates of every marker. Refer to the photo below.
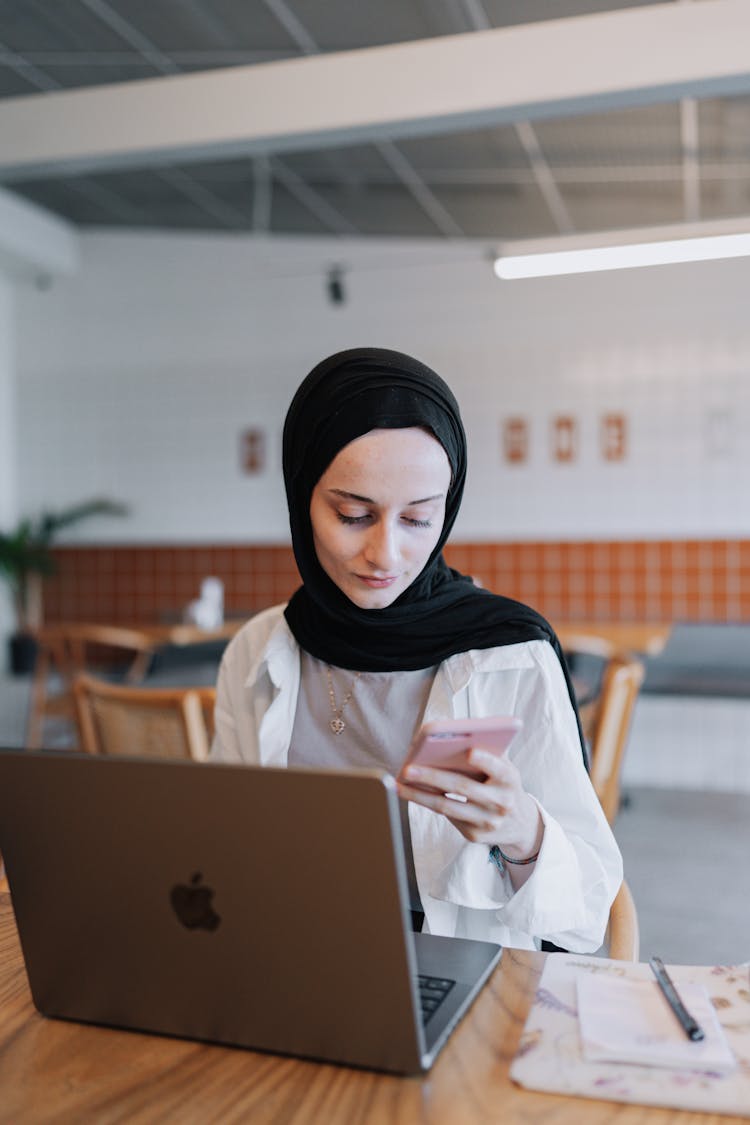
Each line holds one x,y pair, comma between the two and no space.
382,636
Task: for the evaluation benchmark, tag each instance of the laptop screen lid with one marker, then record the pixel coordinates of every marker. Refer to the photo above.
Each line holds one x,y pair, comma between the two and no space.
264,908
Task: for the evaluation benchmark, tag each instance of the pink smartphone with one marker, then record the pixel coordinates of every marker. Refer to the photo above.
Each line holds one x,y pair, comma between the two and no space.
445,744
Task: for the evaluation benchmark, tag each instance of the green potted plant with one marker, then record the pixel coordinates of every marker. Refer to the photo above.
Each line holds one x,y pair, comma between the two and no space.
26,558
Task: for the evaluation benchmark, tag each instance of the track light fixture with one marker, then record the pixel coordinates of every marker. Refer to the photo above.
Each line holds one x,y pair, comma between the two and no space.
335,286
594,253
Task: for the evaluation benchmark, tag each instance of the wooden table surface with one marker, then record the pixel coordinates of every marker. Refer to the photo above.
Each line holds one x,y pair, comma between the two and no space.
648,638
182,634
54,1071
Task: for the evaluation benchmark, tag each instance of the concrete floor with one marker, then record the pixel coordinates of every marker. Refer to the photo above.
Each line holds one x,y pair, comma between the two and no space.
687,860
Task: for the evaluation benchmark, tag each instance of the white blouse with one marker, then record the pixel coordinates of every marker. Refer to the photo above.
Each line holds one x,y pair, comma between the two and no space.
567,898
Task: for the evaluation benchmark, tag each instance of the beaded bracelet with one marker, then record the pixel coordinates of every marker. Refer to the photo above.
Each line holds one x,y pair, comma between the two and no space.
497,854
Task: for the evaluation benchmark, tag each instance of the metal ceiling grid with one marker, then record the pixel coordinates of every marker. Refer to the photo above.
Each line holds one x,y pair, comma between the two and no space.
506,211
505,13
654,164
724,125
617,141
725,131
603,208
460,157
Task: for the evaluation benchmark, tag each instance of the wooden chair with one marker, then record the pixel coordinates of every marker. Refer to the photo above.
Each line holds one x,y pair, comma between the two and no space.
65,651
606,711
622,681
622,940
162,723
587,657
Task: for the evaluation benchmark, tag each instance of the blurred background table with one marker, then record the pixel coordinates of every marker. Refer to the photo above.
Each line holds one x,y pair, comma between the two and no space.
647,637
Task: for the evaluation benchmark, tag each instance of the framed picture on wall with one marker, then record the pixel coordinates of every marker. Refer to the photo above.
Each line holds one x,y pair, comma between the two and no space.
515,440
564,436
253,450
614,437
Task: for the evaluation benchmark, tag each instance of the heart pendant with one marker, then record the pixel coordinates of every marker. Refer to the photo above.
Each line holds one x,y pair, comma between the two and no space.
337,725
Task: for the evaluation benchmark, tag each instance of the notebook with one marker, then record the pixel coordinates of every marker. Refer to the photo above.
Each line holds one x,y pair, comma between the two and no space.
263,908
558,1053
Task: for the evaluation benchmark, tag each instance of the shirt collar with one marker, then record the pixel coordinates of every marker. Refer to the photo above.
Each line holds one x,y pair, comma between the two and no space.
460,668
276,657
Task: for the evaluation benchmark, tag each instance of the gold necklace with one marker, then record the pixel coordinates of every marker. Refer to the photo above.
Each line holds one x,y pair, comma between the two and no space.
337,723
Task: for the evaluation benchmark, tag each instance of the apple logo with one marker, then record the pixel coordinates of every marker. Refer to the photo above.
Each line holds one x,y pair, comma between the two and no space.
192,904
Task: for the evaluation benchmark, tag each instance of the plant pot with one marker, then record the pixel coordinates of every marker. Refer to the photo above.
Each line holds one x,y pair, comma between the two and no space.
22,649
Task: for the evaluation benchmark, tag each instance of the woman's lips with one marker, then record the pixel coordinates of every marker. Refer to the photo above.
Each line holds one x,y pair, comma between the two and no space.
377,583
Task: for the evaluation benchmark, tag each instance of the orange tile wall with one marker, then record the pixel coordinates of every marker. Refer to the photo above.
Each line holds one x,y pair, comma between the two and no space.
688,580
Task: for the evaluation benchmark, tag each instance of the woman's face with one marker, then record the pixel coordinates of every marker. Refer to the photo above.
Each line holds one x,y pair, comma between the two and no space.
377,512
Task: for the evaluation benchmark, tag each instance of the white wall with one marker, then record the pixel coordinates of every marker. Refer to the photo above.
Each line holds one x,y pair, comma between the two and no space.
668,741
137,375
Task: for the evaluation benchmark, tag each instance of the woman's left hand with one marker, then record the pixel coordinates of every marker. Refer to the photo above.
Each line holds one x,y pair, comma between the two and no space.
496,810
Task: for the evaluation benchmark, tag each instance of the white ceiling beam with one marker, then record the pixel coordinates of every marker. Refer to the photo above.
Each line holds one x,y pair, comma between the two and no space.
559,67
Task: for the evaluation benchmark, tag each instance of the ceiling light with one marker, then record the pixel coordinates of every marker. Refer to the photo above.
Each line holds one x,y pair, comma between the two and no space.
629,256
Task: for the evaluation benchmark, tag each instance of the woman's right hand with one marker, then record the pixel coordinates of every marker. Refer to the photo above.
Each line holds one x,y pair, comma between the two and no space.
495,810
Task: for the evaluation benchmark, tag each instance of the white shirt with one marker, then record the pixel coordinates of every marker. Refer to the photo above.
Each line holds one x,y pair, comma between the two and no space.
579,870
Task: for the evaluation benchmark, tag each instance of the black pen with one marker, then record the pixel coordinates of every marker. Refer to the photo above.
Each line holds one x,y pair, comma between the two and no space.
692,1029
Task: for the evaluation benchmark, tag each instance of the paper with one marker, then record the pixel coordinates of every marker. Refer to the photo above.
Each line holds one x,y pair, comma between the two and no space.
550,1054
630,1021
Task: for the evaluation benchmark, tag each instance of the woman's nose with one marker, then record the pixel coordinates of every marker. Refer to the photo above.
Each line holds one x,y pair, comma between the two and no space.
382,551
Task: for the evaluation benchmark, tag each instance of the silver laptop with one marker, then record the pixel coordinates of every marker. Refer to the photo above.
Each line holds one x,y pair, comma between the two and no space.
264,908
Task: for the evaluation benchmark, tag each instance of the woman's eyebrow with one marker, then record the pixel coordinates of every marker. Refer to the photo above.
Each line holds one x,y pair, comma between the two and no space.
367,500
426,499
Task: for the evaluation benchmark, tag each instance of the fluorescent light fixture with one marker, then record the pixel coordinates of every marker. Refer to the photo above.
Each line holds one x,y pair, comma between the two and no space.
594,258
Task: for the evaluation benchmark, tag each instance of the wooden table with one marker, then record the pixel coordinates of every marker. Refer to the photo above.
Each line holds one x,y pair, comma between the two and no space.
181,634
53,1071
646,637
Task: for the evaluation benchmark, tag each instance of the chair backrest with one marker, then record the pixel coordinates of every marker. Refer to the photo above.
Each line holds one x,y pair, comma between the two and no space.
623,939
607,682
587,657
623,676
164,723
132,645
65,651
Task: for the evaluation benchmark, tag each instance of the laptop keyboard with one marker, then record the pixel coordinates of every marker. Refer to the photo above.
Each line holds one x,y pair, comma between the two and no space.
432,992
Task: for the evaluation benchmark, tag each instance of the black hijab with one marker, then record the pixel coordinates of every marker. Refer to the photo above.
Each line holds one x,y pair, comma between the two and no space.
442,612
